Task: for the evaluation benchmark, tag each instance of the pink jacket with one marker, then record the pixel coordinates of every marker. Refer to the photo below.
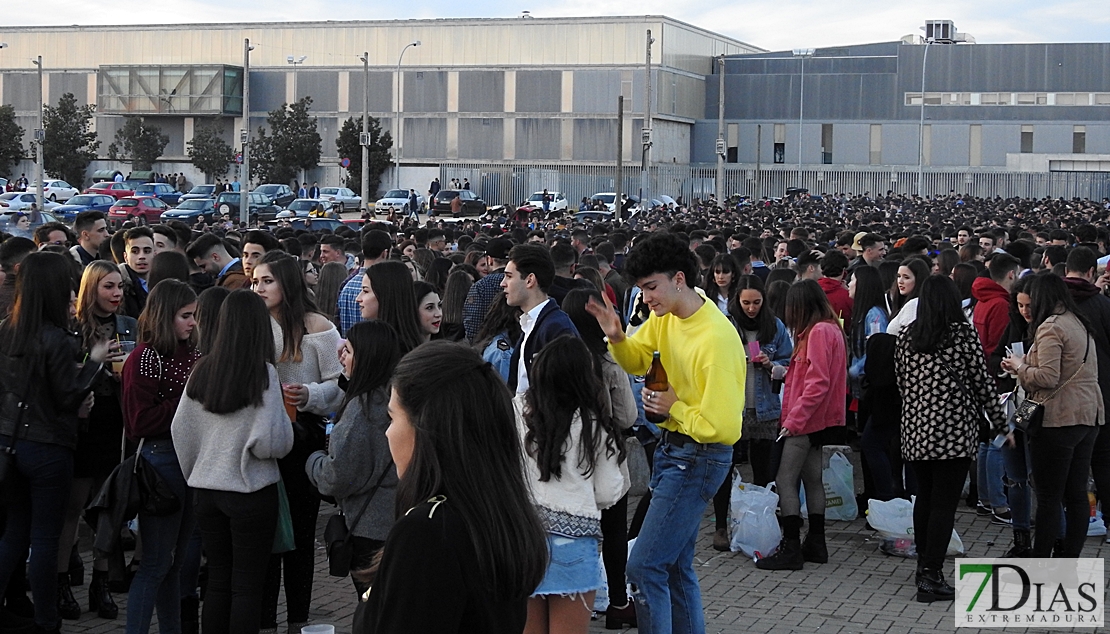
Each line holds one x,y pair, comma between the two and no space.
815,394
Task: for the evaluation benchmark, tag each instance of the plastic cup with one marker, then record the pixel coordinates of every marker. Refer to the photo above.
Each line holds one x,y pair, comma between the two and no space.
126,347
290,406
322,628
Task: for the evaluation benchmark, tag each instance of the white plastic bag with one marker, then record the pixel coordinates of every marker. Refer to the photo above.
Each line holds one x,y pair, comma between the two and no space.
840,490
753,526
895,519
1095,526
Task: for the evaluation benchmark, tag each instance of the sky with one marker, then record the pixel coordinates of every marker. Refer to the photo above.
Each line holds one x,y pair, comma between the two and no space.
770,24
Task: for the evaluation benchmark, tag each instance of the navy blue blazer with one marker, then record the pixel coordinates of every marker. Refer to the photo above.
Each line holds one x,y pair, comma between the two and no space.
551,323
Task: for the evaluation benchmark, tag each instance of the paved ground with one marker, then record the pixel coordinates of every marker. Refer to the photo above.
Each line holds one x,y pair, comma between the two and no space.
859,590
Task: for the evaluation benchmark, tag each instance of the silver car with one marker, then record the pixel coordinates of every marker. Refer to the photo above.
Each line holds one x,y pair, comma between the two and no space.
396,200
341,197
22,201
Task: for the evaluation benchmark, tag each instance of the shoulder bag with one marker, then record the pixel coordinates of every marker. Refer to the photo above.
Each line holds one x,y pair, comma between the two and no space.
338,538
1029,416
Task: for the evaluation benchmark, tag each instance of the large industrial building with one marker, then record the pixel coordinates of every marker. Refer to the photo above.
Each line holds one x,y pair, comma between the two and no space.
524,103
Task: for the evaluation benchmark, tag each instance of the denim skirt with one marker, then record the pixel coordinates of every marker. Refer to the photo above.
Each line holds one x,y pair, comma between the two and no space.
574,566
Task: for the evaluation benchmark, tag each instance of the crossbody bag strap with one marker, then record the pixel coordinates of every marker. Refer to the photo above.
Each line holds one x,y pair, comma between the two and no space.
963,388
370,498
1086,353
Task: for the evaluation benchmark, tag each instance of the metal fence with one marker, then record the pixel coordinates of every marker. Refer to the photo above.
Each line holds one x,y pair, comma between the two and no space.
511,184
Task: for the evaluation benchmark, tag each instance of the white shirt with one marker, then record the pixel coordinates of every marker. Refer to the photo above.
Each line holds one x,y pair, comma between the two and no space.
527,323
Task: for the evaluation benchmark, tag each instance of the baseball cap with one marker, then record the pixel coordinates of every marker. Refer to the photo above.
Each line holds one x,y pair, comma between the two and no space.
855,243
498,248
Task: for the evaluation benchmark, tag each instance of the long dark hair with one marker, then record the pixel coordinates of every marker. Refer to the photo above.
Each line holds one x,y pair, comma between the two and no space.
466,447
938,312
764,323
499,318
1017,321
806,305
776,298
296,302
156,323
168,265
377,352
235,374
559,389
209,303
1051,297
392,285
574,305
42,289
869,294
454,295
726,264
328,285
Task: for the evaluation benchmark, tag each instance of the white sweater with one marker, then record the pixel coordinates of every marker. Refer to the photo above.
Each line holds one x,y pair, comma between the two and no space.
318,370
233,452
573,501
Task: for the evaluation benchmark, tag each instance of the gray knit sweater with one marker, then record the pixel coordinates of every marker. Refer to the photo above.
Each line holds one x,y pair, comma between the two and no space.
358,454
233,452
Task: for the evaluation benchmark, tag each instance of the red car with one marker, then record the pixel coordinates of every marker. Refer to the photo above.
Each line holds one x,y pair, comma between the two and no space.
144,209
109,188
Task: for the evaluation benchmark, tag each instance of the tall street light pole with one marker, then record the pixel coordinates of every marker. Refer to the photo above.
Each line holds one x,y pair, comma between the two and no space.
297,62
40,137
921,126
721,147
801,54
364,138
646,134
245,137
397,127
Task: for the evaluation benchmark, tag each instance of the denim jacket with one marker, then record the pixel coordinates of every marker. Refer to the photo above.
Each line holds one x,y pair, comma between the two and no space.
768,405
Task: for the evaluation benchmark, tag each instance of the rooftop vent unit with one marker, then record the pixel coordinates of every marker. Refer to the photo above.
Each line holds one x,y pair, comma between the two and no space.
942,32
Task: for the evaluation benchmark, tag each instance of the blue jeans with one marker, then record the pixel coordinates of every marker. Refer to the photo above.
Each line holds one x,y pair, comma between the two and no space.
661,565
157,583
39,490
1016,461
990,472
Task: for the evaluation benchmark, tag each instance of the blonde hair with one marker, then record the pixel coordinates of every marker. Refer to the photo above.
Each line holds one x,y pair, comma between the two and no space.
94,274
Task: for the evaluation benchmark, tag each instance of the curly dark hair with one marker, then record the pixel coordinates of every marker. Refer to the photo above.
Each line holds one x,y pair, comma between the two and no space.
662,252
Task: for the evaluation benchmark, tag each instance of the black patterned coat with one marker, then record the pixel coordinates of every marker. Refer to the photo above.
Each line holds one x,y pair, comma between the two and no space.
940,421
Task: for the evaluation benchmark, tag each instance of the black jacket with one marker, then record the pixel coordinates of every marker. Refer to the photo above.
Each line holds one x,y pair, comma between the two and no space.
134,295
1096,308
51,387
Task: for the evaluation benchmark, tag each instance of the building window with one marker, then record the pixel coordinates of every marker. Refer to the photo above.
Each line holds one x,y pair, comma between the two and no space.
826,143
1079,139
1026,139
732,153
975,149
876,145
780,142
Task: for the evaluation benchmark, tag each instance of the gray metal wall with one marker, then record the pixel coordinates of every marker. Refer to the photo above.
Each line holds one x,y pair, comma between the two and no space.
425,138
538,139
481,91
481,138
76,83
381,91
323,87
425,91
539,90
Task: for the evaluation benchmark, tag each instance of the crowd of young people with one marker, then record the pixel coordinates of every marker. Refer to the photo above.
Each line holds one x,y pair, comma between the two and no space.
468,396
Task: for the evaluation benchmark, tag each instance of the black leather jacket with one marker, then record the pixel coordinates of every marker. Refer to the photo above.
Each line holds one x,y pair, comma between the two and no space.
54,386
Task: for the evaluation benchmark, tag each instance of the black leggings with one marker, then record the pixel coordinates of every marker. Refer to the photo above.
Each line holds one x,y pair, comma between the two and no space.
939,485
299,564
614,549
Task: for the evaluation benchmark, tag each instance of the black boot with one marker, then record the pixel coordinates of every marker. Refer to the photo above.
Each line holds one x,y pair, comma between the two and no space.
76,568
1023,545
190,615
789,554
814,549
68,607
932,586
100,599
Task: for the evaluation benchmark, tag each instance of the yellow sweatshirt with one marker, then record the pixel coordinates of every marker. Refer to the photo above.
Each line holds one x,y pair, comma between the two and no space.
705,364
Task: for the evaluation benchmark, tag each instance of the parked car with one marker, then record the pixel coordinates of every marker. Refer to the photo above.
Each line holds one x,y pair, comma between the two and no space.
162,191
259,207
55,190
83,202
344,199
280,195
396,200
606,198
110,188
558,201
9,222
593,216
192,211
200,191
22,201
308,224
472,205
308,208
147,209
